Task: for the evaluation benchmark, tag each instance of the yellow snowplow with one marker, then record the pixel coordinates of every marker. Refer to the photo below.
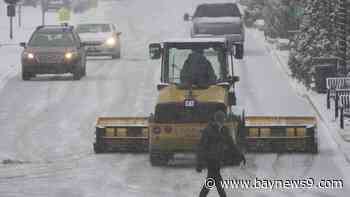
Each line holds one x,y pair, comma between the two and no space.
280,134
183,109
121,134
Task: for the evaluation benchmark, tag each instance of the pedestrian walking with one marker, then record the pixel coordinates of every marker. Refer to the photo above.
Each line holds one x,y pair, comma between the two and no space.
211,152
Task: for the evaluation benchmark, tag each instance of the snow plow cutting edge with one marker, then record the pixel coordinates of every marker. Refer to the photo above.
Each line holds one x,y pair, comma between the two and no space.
255,134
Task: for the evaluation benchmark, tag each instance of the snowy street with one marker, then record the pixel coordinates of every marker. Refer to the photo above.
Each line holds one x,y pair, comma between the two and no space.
47,124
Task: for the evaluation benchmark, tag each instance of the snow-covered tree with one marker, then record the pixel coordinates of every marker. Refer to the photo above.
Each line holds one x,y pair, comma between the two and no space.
276,16
253,11
316,39
280,16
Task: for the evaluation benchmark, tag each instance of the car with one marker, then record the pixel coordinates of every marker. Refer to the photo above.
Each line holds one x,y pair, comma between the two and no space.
55,4
218,20
54,49
105,33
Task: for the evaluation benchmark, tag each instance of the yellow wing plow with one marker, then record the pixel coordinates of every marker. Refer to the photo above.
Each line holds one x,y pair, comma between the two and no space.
280,134
121,134
256,134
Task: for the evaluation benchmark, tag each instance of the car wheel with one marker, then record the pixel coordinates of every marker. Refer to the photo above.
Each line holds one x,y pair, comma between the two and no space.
117,55
26,76
78,73
84,67
84,70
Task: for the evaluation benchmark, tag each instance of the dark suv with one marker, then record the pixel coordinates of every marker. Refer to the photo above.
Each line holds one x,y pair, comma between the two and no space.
55,49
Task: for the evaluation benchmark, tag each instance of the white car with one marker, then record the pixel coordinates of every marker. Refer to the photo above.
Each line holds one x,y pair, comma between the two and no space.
104,33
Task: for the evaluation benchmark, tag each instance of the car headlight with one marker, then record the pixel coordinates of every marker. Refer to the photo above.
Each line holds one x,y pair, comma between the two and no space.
111,41
30,56
68,55
71,55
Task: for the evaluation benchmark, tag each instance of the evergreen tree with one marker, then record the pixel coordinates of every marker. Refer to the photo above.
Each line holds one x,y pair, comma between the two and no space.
276,16
316,39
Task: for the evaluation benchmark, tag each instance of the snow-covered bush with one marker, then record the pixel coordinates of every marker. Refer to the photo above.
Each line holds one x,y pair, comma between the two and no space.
279,16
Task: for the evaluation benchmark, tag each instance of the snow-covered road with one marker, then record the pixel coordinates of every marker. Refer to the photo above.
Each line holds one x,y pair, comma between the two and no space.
264,89
47,124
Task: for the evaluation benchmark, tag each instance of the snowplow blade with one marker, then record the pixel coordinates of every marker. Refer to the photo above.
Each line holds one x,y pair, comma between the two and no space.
281,134
121,134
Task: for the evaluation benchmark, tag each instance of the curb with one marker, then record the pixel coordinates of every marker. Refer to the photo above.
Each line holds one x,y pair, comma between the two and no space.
306,95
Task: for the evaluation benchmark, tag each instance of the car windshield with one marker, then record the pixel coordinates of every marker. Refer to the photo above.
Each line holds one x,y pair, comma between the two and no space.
217,10
93,28
52,39
195,64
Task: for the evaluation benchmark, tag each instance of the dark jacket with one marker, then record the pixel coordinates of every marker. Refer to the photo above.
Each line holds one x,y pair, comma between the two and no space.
197,70
217,146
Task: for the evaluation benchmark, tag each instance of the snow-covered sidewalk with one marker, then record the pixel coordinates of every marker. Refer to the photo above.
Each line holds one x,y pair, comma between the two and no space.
318,101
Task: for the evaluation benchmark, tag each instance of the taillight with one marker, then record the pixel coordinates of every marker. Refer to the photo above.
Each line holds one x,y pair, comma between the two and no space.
156,130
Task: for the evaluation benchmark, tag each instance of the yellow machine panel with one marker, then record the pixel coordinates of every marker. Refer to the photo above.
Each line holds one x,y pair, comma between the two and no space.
174,94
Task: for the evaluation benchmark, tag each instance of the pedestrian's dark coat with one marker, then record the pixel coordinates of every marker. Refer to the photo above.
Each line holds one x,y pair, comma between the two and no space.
212,145
211,152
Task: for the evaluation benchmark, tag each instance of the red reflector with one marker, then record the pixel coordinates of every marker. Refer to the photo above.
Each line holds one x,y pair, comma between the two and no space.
156,130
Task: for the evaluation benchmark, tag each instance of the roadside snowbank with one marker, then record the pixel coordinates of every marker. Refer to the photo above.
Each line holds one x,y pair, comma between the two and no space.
318,101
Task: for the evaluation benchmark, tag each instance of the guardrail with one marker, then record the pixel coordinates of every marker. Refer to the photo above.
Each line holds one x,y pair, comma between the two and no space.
333,84
344,108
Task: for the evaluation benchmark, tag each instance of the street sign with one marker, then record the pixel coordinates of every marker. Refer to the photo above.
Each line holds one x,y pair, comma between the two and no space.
63,15
11,10
296,11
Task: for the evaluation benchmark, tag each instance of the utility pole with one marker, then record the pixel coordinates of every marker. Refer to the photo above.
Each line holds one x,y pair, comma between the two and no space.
11,28
43,11
19,15
342,36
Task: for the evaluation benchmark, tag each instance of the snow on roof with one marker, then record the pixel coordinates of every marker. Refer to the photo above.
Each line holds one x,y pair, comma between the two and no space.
195,40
